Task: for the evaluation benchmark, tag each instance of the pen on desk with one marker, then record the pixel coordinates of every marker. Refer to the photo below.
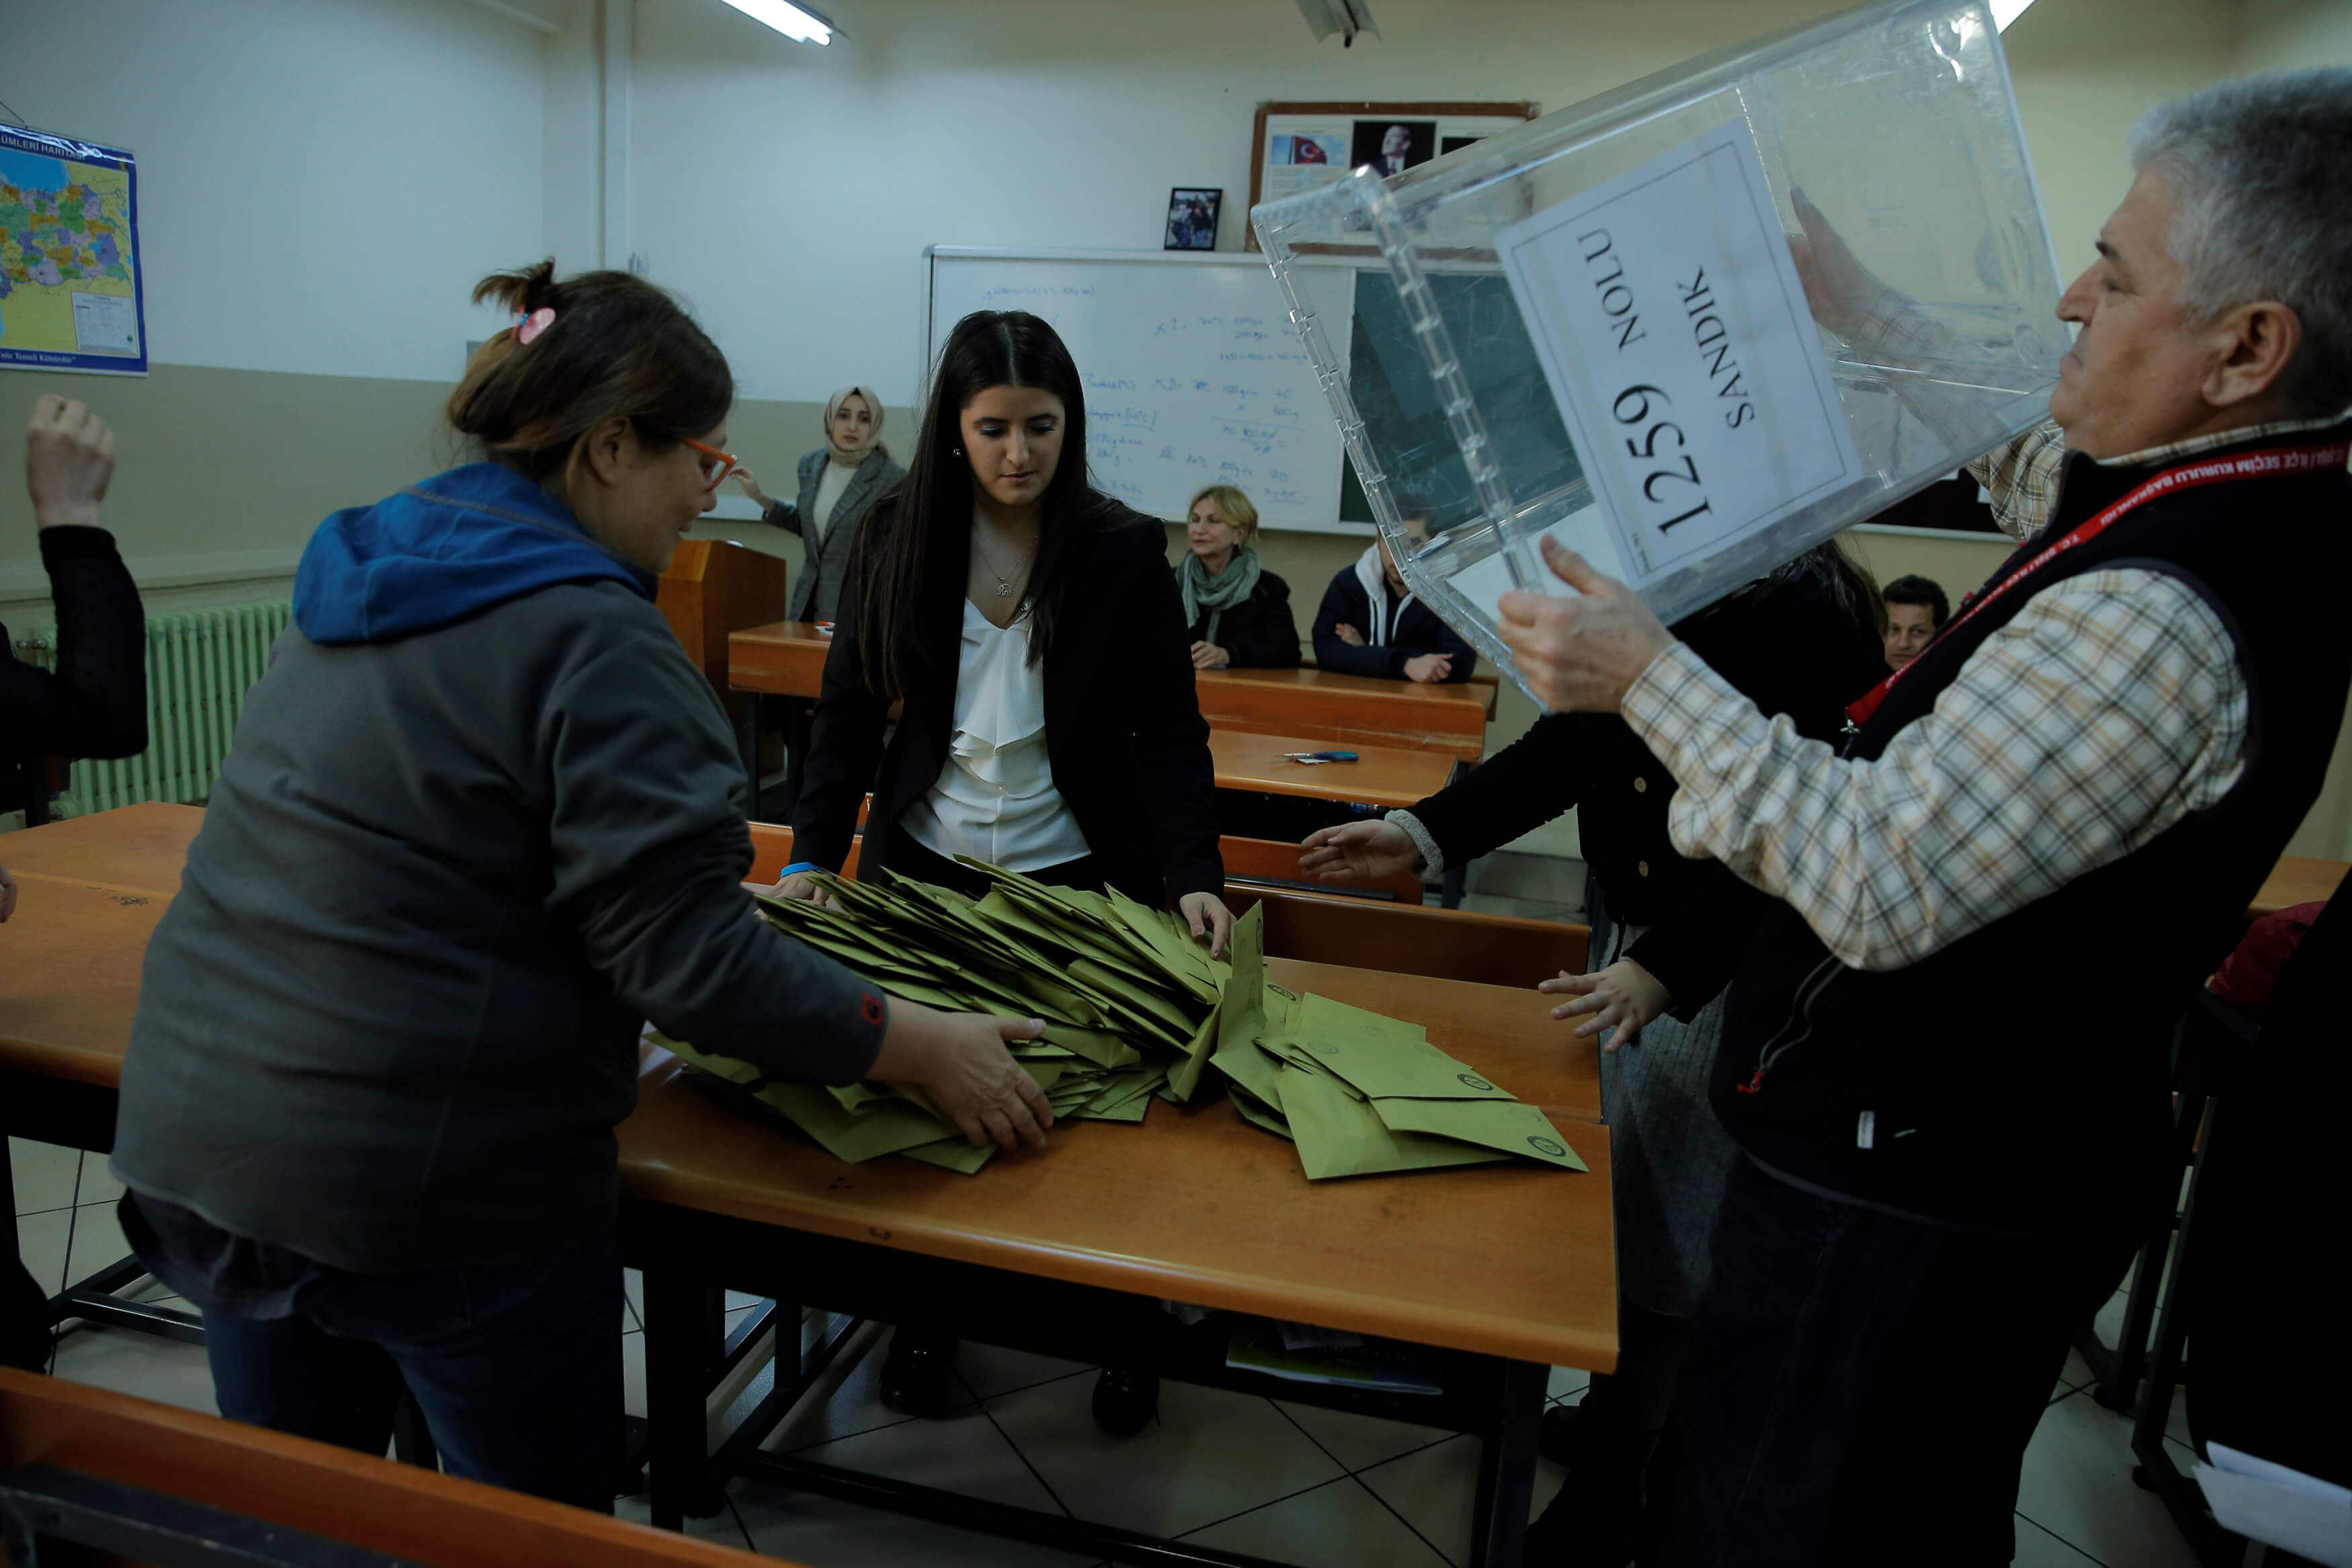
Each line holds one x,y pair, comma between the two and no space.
1319,756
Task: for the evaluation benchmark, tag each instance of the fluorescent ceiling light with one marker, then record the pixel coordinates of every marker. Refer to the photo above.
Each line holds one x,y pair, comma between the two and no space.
2004,12
796,22
1344,17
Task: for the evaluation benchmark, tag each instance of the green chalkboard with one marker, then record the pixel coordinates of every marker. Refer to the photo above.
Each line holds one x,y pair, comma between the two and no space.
1398,401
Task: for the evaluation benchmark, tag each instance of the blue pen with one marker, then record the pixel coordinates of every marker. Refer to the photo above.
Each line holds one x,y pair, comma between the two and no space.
1321,756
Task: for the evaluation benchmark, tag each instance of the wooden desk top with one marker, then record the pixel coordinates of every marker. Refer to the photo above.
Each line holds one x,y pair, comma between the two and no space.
140,848
1382,774
400,1511
2298,879
1194,1204
88,893
1347,710
786,658
1199,1206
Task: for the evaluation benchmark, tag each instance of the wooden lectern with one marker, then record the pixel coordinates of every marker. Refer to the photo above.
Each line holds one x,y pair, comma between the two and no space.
713,588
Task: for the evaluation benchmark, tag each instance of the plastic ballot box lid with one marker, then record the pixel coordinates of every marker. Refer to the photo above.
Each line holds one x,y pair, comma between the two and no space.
1691,327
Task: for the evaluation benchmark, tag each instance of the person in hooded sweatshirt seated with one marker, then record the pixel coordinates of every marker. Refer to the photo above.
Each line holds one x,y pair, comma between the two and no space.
1370,625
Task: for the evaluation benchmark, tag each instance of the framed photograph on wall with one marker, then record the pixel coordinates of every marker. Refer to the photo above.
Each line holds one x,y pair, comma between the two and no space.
1192,218
1300,145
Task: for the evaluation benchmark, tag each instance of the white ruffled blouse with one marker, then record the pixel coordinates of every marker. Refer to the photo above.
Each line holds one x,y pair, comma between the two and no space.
995,798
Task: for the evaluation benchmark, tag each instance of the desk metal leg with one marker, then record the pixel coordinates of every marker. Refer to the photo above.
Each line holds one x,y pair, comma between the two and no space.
1506,1467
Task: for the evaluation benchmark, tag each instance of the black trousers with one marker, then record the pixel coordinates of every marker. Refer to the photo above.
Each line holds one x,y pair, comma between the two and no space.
1862,1386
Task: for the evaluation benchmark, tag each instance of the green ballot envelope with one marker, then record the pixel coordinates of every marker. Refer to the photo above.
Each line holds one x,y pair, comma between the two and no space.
1410,1070
1505,1125
1341,1136
1135,1009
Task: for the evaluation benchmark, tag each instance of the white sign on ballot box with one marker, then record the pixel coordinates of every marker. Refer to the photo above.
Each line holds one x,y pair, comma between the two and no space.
1667,315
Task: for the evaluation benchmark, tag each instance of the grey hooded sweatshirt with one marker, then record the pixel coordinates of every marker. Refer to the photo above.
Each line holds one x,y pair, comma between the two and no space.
476,828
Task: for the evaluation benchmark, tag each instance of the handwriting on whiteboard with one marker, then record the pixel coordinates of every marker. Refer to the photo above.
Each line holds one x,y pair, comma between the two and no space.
1193,376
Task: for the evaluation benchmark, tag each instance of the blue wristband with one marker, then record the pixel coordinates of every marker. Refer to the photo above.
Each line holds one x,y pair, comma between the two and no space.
798,866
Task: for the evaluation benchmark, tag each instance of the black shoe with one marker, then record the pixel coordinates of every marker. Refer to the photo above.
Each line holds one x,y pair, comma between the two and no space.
1556,1437
1125,1400
918,1376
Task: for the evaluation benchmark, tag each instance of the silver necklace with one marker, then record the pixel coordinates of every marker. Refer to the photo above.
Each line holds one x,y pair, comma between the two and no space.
1003,583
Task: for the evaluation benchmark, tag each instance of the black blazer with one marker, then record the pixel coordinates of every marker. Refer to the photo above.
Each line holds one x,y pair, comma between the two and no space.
1792,651
1124,734
1258,631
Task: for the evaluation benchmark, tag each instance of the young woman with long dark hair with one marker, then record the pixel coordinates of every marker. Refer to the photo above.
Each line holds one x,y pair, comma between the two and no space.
1031,628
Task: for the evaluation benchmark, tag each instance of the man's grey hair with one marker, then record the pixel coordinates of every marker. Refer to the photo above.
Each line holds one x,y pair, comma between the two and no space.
2259,167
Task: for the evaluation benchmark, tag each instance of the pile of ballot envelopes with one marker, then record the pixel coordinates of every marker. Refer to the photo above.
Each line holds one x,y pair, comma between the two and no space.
1134,1007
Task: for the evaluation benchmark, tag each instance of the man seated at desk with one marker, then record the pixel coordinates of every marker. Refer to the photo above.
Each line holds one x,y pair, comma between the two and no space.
1371,623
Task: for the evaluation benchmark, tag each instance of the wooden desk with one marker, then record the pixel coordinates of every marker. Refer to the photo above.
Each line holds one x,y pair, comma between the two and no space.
1351,711
400,1510
1382,776
786,658
137,848
1510,1266
2297,879
713,589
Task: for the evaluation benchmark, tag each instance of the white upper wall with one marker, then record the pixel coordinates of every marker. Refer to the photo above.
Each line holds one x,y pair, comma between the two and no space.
789,191
2287,35
322,182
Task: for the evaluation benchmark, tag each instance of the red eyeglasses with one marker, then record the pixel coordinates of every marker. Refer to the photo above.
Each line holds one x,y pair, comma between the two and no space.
716,464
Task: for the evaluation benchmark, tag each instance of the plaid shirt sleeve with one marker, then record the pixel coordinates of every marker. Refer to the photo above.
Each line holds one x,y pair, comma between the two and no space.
2108,708
2022,474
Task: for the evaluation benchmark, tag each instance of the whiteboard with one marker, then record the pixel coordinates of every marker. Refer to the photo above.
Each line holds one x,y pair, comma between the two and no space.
1194,373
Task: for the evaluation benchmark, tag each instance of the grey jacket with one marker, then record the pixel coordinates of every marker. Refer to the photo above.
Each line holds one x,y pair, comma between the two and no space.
817,596
390,1020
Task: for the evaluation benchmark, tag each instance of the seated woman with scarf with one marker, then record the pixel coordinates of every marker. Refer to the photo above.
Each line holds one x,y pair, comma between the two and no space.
1370,625
1238,613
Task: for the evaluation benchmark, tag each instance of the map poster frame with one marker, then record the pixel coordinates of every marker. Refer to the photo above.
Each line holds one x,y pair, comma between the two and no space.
91,316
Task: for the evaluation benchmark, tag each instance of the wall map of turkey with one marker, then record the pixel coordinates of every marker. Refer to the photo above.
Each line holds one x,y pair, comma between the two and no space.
72,297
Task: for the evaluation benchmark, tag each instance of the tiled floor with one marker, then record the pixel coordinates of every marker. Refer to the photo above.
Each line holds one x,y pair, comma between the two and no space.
1286,1481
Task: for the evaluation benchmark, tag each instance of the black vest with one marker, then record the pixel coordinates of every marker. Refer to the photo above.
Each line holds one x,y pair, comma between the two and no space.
2019,1078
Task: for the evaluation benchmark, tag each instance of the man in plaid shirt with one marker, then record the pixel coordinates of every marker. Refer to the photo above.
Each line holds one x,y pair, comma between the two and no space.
2050,821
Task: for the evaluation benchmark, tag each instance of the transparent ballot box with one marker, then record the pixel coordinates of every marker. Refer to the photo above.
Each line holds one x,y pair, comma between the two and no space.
1692,328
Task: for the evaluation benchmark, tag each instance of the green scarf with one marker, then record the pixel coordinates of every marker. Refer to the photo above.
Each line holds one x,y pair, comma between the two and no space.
1219,593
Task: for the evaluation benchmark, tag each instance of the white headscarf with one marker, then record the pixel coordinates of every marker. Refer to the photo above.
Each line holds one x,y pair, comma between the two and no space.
874,444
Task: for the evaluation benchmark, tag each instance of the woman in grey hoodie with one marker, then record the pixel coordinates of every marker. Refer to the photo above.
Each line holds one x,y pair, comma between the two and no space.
477,830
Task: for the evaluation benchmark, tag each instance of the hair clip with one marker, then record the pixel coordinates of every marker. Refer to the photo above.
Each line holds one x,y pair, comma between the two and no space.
528,326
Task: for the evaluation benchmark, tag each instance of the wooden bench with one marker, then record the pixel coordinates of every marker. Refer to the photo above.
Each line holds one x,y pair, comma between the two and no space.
65,1440
783,658
1349,710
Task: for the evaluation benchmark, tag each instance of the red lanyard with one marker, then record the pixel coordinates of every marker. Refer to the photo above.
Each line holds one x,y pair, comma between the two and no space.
2277,461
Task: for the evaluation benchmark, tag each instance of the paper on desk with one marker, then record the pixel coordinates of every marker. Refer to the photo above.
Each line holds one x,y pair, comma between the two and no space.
1506,1124
721,1067
1255,1112
2271,1503
1318,1015
1339,1137
886,1127
955,1153
1394,1069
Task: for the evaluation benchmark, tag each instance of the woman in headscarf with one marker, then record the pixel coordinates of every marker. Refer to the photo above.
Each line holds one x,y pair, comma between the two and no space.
840,482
